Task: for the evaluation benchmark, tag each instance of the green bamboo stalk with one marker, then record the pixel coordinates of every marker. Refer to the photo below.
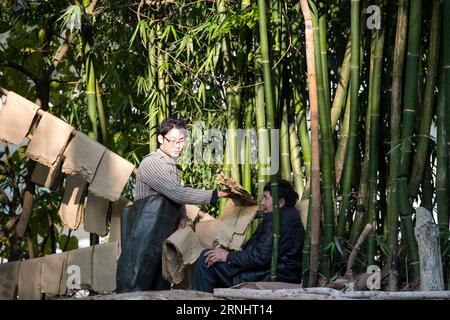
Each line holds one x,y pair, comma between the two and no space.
231,167
101,116
305,143
361,206
410,102
276,32
326,147
241,58
295,158
270,110
396,98
354,105
260,113
323,57
91,95
247,170
315,155
372,206
423,137
341,153
341,90
152,89
284,145
162,94
341,150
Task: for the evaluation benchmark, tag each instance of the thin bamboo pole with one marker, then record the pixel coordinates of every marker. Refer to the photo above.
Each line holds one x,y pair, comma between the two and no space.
396,98
409,107
315,164
270,110
423,137
354,105
326,147
372,203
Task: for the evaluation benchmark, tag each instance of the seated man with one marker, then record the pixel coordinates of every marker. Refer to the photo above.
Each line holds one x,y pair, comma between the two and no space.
219,268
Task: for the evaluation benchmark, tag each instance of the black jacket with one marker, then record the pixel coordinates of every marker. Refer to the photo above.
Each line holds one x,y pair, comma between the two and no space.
253,262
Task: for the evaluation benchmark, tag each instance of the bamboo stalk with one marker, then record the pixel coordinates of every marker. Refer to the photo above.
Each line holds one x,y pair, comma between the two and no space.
152,88
410,102
270,110
341,90
315,164
423,137
354,105
396,98
343,142
340,160
284,145
373,163
260,113
295,158
326,154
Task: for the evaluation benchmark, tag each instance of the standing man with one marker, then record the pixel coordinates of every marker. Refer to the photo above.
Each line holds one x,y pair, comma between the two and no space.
157,211
219,268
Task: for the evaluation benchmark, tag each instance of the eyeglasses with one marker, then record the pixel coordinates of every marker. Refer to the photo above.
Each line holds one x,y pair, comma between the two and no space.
173,143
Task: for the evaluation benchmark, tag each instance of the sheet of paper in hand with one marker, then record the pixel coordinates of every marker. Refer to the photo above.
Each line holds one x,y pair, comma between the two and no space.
236,189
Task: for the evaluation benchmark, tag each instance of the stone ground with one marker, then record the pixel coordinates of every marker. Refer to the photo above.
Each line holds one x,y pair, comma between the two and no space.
148,295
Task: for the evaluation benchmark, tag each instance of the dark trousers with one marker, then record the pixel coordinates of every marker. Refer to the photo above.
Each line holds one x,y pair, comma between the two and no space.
207,278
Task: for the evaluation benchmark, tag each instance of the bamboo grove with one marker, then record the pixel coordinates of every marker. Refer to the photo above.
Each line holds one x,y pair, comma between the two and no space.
357,90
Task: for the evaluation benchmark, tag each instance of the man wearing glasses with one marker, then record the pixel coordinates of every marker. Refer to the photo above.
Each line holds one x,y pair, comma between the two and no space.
158,210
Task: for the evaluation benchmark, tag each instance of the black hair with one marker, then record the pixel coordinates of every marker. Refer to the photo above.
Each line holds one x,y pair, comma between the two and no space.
169,124
285,191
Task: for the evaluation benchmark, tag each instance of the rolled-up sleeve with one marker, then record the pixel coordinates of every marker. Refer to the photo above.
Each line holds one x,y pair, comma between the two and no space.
162,178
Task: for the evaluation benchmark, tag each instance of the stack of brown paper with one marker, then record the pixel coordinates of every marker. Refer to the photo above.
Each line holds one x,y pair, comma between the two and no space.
192,211
82,156
49,139
82,258
180,249
9,277
30,280
184,246
235,221
53,267
236,189
116,207
105,266
111,176
207,233
96,215
16,118
72,206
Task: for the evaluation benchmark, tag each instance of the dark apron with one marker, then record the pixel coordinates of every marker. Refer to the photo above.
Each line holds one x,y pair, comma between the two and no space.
144,227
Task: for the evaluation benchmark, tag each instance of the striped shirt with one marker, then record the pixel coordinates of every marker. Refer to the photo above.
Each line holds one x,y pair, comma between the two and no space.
159,173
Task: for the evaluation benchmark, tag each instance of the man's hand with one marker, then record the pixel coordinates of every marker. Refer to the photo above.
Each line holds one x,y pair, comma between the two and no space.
224,194
216,255
182,224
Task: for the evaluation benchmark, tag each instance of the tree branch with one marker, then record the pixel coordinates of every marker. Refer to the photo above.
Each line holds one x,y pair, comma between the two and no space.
62,50
20,68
